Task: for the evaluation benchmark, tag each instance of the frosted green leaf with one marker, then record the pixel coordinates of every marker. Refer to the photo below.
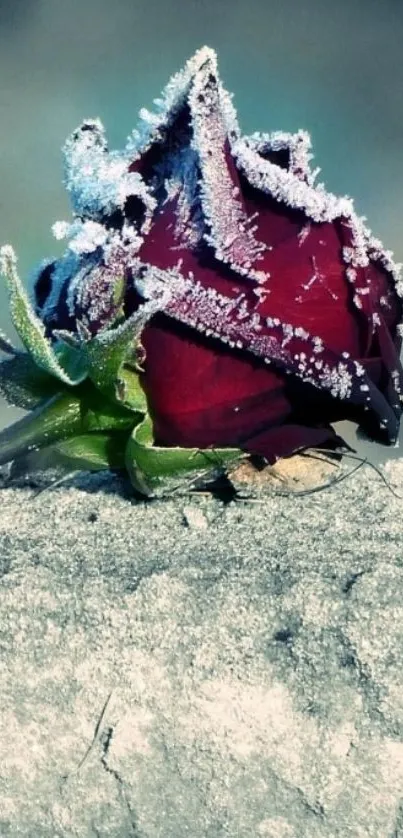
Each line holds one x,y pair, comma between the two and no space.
72,362
24,384
149,464
93,452
107,353
63,364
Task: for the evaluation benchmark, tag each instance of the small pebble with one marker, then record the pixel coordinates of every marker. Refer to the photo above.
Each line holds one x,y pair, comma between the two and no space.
194,518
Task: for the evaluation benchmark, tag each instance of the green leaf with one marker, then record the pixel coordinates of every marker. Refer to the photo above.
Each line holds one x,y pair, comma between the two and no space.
24,384
65,364
148,465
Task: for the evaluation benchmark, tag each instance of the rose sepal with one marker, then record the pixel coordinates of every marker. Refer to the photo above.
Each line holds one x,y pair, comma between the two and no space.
62,361
86,452
24,384
111,358
150,466
66,414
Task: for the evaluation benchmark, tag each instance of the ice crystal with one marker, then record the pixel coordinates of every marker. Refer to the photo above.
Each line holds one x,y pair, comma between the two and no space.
338,380
298,146
319,205
99,181
227,319
179,174
230,232
86,236
173,98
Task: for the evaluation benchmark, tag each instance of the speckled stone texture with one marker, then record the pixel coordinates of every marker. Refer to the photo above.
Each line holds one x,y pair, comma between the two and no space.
189,668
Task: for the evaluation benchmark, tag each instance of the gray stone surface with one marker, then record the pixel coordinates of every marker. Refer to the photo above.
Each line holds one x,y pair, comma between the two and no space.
189,668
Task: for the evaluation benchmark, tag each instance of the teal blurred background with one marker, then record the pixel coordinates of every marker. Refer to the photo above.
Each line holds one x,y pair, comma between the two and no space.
333,67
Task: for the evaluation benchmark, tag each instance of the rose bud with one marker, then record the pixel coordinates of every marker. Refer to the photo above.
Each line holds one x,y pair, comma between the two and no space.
279,312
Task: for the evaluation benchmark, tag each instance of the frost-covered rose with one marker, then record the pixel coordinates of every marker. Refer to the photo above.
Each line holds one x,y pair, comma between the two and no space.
279,311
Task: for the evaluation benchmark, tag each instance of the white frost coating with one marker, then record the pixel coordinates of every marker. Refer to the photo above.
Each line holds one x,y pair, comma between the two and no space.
351,274
61,230
216,316
318,204
134,324
298,145
121,248
337,380
385,257
231,235
119,256
8,264
170,102
286,186
304,233
98,180
182,186
213,121
318,345
85,236
359,369
74,287
395,376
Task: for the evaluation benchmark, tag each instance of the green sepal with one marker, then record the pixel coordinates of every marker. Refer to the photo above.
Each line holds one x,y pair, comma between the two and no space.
67,414
57,418
72,360
118,295
112,362
64,363
93,452
24,384
99,413
87,452
148,464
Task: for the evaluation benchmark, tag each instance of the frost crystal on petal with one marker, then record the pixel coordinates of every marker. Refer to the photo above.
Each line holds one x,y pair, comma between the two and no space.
86,236
230,231
286,186
338,380
297,146
227,319
172,100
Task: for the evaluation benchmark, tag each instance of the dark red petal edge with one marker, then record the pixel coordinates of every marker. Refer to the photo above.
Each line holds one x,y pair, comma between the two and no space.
292,349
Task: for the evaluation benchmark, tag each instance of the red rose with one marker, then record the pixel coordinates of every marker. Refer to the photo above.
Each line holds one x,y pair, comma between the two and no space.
279,311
